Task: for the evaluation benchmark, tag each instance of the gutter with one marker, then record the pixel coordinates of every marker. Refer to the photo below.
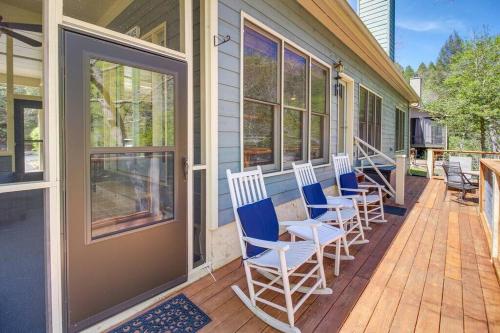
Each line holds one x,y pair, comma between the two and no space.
340,19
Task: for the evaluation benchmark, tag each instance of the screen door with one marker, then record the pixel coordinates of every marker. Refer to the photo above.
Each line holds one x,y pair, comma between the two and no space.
125,146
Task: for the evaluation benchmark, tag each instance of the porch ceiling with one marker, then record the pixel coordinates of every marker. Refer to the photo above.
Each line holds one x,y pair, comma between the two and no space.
342,21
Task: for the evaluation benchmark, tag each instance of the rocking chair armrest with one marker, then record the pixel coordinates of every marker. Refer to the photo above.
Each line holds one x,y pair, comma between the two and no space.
277,246
371,185
352,196
327,206
309,222
360,190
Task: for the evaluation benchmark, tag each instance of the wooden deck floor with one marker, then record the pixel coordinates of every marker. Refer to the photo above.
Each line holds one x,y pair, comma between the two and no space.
428,271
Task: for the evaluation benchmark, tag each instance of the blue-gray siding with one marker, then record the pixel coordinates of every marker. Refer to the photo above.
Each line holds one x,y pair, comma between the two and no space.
292,21
379,18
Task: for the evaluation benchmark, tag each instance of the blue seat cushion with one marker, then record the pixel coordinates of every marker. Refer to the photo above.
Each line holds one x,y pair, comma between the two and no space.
348,180
259,220
314,196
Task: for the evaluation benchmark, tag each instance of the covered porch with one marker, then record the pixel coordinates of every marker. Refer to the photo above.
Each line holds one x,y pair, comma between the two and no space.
427,271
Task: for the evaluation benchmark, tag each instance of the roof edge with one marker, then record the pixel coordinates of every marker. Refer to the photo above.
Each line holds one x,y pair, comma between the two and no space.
338,17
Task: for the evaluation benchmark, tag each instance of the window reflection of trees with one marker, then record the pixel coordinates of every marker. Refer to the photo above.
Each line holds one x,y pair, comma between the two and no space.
262,103
260,67
130,106
295,102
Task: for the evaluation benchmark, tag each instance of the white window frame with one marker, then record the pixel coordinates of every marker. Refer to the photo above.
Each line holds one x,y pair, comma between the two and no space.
261,27
381,112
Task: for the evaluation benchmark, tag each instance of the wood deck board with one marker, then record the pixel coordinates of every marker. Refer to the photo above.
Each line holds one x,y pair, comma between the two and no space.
428,271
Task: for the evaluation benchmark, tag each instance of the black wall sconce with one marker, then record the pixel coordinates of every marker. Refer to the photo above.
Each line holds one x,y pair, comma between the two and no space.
339,68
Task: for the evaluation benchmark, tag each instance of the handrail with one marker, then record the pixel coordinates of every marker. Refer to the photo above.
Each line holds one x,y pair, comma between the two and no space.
359,140
435,155
478,152
388,188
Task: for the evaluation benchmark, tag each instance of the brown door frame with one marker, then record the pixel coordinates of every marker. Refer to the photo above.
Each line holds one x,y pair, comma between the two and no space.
140,59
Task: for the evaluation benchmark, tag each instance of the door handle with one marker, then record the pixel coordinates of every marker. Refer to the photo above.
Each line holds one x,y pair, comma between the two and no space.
185,167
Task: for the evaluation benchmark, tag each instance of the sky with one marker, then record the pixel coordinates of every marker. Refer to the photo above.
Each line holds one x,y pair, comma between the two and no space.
422,26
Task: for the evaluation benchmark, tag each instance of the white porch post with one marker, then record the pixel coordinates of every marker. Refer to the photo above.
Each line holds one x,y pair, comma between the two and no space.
400,179
430,163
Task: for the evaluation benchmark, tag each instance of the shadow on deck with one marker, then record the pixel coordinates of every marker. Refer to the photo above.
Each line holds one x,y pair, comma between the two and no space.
425,271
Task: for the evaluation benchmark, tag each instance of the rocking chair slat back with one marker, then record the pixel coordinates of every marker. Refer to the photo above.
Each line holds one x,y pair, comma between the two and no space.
341,166
245,188
304,175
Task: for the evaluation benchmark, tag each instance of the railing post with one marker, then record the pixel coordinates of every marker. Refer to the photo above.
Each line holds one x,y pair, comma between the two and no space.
400,179
430,163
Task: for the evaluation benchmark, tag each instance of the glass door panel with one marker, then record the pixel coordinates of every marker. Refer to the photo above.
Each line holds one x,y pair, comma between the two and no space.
130,107
129,191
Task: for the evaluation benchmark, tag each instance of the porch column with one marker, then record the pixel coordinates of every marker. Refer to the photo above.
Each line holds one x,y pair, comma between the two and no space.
430,163
400,179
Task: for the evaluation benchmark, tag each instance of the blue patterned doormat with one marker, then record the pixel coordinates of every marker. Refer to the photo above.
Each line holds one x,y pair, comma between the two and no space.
176,315
394,210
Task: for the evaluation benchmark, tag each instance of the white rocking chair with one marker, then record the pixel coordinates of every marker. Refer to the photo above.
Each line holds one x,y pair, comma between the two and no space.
261,250
372,204
341,212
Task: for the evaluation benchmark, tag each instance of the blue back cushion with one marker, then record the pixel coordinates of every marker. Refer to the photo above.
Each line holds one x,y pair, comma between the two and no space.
314,196
259,221
348,180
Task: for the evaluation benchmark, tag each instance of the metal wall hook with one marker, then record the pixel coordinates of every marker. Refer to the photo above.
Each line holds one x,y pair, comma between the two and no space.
220,39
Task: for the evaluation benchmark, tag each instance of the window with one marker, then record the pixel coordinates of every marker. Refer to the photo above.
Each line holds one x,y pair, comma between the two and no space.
400,130
297,111
21,101
319,113
370,114
261,107
295,107
342,119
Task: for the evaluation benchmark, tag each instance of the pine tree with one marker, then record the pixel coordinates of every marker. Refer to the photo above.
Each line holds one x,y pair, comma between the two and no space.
408,73
422,70
453,45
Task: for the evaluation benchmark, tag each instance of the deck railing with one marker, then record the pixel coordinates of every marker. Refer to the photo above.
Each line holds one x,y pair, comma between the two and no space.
436,157
489,205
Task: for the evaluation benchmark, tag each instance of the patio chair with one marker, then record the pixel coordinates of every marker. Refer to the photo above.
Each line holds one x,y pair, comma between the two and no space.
330,210
258,231
371,203
465,164
457,180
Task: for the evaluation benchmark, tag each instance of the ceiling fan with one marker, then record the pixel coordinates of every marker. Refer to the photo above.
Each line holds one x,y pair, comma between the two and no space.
7,28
